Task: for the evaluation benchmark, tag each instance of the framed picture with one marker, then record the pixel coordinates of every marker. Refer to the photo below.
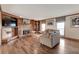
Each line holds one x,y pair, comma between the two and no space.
75,22
26,21
50,22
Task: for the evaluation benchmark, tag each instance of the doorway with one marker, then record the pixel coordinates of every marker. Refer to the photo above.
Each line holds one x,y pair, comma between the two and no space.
43,26
60,27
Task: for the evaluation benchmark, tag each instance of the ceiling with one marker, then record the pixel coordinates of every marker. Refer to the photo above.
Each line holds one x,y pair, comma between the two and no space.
40,11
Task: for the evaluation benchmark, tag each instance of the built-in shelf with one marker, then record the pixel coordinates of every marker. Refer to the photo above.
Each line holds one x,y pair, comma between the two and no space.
8,27
10,30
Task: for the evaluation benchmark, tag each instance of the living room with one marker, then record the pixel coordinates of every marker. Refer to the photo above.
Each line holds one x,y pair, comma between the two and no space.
39,29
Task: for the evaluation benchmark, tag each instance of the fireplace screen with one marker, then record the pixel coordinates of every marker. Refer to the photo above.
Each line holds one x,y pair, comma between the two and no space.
25,32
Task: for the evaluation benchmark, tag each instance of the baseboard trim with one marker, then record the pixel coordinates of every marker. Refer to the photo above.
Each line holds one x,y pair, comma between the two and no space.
71,39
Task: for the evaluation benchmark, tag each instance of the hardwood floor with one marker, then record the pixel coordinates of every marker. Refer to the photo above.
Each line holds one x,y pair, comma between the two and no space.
31,45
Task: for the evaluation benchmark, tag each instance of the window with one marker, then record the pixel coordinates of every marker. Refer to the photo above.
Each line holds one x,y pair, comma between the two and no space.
43,27
60,27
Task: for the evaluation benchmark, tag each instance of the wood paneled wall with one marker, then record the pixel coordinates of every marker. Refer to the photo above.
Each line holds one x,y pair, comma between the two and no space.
35,25
0,27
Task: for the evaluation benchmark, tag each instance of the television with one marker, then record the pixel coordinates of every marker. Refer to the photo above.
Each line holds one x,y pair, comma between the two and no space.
9,21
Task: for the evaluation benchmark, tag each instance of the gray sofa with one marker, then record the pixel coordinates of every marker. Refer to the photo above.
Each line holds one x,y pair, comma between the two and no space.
50,38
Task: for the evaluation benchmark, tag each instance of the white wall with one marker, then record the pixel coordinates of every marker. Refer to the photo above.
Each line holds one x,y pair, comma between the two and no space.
54,26
71,32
